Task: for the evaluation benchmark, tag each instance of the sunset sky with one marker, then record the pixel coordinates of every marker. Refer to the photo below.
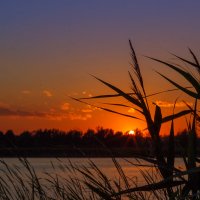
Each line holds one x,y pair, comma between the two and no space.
48,49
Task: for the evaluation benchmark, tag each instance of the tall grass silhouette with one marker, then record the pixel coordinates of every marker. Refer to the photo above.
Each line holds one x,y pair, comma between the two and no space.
166,165
165,181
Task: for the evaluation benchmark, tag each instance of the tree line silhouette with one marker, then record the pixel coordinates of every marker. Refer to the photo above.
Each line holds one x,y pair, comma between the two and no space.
75,143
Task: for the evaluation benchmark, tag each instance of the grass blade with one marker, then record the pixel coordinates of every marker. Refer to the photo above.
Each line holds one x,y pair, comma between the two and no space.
108,110
189,92
125,95
105,96
177,115
185,74
155,186
196,64
157,119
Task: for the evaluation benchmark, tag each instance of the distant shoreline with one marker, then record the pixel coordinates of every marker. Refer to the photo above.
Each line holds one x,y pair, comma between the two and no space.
75,153
68,152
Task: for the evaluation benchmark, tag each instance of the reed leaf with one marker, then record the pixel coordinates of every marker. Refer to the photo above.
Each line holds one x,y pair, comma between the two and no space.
176,116
118,104
130,93
136,67
192,141
121,172
125,95
157,119
104,96
171,153
189,92
150,187
194,56
107,109
123,105
196,64
185,74
122,114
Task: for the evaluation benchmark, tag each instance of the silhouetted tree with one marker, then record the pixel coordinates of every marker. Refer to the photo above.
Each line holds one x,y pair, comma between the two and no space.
90,141
25,139
10,138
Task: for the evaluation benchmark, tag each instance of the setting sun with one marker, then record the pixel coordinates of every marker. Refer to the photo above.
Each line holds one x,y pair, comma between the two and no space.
131,132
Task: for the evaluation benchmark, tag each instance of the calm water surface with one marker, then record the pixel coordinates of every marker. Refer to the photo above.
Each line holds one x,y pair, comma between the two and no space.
106,165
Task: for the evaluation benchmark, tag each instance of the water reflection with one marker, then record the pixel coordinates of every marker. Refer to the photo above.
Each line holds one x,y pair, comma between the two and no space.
131,167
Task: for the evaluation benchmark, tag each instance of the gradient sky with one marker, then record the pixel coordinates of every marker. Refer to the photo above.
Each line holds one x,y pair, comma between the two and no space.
49,48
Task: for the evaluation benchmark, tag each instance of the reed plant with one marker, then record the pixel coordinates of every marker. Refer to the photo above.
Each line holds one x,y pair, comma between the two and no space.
171,176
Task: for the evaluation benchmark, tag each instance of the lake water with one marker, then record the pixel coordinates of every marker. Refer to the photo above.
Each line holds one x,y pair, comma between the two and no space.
132,167
60,169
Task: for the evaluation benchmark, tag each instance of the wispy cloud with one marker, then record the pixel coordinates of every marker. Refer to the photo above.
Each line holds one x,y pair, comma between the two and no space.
75,116
69,116
85,93
20,113
9,111
52,114
47,93
86,110
93,108
65,106
166,104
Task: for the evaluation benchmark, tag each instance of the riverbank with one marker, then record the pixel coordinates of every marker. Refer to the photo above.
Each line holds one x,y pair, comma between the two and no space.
77,152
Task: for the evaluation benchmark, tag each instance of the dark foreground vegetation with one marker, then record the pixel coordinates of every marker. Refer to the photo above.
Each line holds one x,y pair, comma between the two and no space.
163,179
74,143
175,185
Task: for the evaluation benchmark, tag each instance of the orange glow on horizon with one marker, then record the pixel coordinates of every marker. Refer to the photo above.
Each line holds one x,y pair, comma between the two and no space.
131,132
